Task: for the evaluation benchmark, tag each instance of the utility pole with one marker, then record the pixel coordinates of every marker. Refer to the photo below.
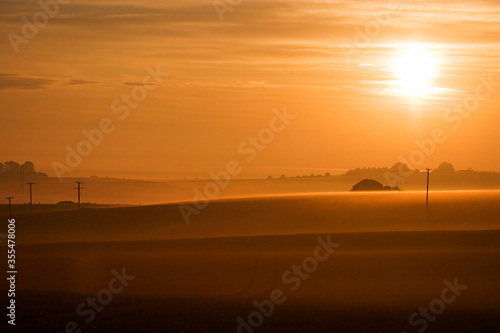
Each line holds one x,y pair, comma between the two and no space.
10,206
427,196
79,188
31,196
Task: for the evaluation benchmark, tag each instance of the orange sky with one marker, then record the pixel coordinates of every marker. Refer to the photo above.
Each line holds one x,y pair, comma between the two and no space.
226,77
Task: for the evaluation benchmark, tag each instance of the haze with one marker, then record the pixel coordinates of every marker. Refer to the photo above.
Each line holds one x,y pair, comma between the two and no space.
226,78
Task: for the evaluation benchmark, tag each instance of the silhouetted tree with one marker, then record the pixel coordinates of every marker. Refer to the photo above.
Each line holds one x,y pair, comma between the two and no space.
368,185
400,167
12,169
445,166
29,168
372,185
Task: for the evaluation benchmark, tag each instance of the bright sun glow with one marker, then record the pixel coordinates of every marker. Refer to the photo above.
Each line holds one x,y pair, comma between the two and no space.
414,66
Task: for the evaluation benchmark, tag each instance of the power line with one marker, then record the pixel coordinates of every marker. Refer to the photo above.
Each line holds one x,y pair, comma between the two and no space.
31,196
79,188
10,206
427,195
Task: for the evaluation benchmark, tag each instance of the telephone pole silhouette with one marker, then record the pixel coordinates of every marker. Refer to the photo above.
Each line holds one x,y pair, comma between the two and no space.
31,196
427,195
10,206
79,188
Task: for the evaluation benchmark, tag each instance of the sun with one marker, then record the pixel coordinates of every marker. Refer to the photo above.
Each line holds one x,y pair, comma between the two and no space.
415,66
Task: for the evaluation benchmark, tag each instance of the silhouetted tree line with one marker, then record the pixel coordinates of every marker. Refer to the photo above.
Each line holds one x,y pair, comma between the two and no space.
13,171
396,168
444,166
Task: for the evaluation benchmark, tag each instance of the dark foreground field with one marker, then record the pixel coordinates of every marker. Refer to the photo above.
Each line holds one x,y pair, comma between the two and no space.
376,270
135,314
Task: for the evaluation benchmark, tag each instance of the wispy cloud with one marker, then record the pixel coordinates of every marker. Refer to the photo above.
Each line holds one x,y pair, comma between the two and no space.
74,82
12,81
